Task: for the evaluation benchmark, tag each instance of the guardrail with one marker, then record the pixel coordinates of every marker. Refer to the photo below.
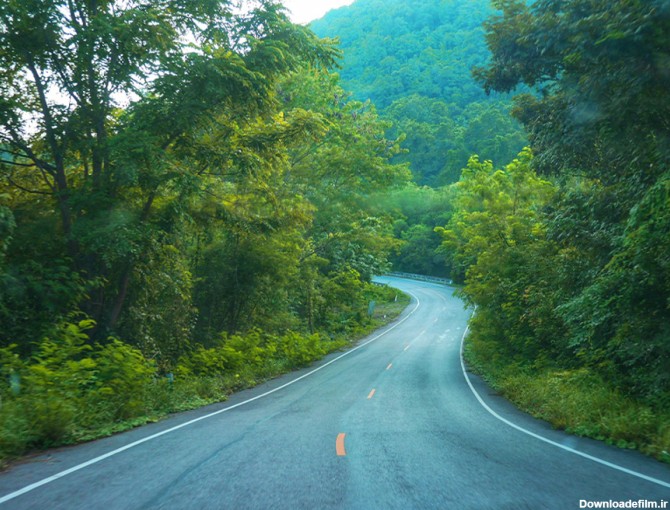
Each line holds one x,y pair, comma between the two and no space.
423,278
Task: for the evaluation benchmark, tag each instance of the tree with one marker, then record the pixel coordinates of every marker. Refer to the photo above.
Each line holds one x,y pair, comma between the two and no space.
495,211
279,245
341,174
102,105
598,122
602,66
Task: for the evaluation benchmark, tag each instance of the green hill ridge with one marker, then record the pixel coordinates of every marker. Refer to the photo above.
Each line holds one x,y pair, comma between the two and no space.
414,61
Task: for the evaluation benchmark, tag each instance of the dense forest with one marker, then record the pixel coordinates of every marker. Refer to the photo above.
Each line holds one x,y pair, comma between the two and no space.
414,61
565,251
191,201
185,199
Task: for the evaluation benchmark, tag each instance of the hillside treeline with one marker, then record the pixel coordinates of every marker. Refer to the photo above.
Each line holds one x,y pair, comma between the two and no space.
184,191
413,60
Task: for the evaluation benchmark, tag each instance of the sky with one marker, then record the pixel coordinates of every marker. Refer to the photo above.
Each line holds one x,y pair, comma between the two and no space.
304,11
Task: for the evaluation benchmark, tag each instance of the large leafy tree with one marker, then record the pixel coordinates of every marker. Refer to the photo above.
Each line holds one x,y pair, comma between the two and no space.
601,69
341,175
598,121
103,109
496,241
282,245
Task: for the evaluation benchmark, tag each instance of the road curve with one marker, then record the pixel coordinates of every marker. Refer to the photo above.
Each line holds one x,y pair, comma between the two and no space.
395,423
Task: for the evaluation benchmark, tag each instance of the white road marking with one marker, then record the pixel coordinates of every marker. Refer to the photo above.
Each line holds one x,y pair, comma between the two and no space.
549,441
79,467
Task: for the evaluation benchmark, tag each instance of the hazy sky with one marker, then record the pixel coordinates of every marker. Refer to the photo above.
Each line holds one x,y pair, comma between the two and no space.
304,11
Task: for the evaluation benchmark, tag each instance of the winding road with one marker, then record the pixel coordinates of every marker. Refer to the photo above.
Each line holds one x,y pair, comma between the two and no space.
396,422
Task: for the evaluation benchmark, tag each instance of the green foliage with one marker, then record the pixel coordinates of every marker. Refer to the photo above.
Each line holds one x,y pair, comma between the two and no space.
570,279
604,64
228,193
101,192
259,351
68,386
395,48
7,226
497,215
619,322
419,253
440,137
596,124
413,62
160,316
580,402
419,210
72,390
38,285
585,350
123,375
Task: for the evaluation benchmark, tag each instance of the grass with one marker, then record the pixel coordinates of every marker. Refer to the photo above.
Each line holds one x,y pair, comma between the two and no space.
387,311
578,401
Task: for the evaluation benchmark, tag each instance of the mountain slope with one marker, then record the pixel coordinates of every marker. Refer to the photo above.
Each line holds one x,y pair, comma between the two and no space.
393,48
413,61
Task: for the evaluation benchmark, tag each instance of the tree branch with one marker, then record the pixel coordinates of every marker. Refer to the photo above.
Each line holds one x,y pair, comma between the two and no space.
28,153
46,112
22,188
14,163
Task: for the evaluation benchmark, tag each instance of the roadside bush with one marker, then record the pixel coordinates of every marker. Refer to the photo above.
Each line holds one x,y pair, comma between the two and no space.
299,350
68,387
70,390
254,350
579,401
122,378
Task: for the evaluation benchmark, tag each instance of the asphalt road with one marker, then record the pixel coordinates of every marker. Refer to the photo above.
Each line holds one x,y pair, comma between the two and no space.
395,423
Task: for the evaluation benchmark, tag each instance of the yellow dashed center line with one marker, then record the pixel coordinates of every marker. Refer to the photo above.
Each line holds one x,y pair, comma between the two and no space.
339,445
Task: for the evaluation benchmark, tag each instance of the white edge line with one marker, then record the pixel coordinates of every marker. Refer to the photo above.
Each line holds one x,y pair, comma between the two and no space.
549,441
79,467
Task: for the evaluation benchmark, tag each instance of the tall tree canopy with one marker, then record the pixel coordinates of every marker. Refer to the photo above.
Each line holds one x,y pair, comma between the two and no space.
603,76
171,168
598,120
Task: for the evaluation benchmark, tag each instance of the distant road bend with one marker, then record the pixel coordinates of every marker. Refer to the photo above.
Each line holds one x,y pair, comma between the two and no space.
396,422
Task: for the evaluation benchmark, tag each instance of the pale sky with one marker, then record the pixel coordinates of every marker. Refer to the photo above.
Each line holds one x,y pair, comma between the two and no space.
304,11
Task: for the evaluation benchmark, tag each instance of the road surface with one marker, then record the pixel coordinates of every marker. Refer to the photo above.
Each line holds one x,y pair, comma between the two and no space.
395,423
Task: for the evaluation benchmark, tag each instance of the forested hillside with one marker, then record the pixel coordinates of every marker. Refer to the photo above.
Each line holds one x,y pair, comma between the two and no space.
413,60
184,209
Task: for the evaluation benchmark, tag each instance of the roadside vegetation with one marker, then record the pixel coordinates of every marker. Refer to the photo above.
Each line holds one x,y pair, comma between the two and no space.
186,209
564,251
579,401
70,390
